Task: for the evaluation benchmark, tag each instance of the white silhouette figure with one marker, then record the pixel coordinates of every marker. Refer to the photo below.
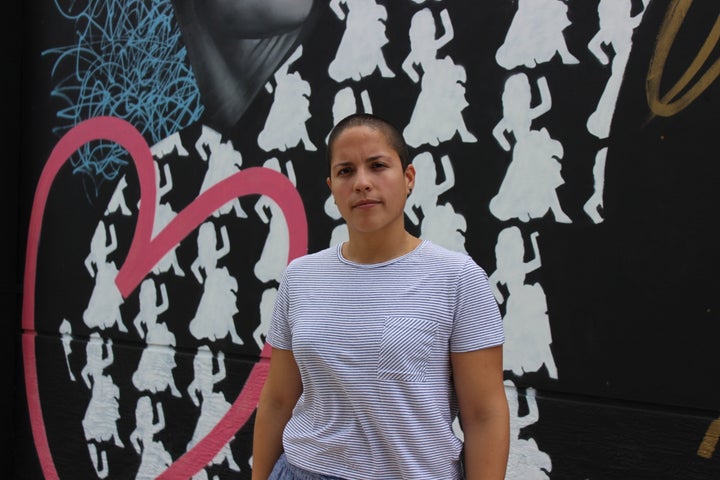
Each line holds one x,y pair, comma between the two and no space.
440,223
169,144
100,247
526,460
267,302
616,30
273,258
103,310
117,201
445,227
360,51
594,205
154,458
285,123
164,213
528,188
213,405
214,316
223,162
437,115
536,35
102,413
424,42
345,103
66,338
518,112
154,371
339,233
527,327
203,475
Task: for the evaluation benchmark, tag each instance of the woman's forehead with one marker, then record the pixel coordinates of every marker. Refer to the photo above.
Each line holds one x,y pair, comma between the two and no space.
361,130
360,138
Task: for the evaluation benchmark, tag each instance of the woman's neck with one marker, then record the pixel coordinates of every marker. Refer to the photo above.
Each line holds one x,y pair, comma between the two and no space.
378,249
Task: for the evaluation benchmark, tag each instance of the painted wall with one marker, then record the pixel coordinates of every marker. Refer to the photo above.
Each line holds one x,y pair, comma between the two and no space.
173,163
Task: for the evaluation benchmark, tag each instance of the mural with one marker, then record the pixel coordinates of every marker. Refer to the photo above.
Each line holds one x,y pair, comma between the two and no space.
178,164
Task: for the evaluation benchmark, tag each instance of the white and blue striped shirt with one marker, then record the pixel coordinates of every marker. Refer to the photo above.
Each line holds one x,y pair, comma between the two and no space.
372,343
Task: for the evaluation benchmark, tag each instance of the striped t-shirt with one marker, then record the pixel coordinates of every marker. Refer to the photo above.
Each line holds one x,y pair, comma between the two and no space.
372,344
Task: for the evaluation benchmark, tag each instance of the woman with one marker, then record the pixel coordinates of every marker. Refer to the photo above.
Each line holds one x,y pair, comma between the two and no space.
378,340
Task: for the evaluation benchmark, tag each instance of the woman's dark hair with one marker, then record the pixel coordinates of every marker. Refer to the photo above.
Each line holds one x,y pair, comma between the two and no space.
392,134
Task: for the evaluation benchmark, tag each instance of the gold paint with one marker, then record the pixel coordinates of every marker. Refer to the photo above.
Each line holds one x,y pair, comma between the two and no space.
671,103
710,441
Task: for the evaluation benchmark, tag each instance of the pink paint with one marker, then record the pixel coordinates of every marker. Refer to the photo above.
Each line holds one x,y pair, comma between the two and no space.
144,253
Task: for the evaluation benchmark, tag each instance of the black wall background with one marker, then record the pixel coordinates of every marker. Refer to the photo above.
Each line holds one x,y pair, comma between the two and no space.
10,273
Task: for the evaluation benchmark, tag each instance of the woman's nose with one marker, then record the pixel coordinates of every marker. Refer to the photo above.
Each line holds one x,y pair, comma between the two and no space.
362,180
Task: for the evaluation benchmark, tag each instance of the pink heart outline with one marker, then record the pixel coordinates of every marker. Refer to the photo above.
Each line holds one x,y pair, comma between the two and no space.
143,254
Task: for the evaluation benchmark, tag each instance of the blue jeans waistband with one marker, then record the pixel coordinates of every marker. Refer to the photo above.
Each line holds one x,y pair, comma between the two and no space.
284,470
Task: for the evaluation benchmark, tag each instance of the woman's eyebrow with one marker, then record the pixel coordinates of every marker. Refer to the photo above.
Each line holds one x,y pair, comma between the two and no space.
379,156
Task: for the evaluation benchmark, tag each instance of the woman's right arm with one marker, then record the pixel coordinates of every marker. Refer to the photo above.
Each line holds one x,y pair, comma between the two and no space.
279,395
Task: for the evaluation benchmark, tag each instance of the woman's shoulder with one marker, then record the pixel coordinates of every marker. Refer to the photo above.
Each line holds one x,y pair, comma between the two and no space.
435,254
313,259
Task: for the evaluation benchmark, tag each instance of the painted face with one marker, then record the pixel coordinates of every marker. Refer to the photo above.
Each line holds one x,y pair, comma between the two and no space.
368,182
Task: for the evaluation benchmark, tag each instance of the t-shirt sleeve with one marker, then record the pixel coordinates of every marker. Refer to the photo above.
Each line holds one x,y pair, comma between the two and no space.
478,323
279,333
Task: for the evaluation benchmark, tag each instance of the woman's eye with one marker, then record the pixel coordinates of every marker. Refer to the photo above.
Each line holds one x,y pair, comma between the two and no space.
343,171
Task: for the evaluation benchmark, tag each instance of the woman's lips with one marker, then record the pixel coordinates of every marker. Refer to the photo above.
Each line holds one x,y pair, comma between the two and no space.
365,203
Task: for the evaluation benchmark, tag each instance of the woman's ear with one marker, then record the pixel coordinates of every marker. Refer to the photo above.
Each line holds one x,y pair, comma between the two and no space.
410,178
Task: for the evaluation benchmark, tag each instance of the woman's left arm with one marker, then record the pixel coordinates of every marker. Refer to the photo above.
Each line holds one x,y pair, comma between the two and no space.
478,379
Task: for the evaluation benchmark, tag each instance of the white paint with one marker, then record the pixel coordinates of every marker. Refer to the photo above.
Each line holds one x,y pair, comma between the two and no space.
536,35
526,322
438,222
214,315
359,53
528,188
437,115
285,123
157,362
223,161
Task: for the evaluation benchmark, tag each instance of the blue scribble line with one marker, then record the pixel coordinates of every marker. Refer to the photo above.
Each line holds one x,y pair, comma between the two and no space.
128,62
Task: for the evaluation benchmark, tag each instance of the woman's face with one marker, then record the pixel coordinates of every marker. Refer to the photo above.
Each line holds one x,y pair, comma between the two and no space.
368,182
